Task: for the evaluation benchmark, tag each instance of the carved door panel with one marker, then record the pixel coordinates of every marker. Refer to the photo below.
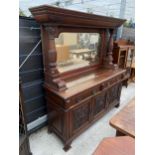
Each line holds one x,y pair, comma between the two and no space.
99,103
113,94
80,116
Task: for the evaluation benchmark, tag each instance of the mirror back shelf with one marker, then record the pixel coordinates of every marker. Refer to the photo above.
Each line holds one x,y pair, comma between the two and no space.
74,43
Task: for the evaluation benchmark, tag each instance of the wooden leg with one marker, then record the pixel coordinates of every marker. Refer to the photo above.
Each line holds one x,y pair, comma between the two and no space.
125,83
118,133
67,147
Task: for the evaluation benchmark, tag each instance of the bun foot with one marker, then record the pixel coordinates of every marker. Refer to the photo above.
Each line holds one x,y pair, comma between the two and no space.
67,147
50,130
117,106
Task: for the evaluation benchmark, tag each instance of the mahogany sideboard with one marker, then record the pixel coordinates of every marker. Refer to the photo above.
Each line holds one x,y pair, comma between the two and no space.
74,101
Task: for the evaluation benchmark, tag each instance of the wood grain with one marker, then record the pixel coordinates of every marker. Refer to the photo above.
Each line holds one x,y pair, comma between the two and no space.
124,121
116,146
59,16
71,110
101,75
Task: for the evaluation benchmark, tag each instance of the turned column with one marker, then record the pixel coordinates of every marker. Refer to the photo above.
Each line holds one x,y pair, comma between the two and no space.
110,47
108,61
52,75
51,52
103,46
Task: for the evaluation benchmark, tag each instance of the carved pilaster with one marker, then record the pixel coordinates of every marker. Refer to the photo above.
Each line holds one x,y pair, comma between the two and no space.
52,76
52,54
110,47
108,61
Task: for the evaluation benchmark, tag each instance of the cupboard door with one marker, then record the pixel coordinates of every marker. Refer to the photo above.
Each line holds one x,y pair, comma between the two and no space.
113,95
80,116
99,103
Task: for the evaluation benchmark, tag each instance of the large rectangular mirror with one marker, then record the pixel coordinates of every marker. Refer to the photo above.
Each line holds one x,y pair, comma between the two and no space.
76,50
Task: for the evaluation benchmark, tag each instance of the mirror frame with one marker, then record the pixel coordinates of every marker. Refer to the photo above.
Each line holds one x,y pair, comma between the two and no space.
84,67
101,49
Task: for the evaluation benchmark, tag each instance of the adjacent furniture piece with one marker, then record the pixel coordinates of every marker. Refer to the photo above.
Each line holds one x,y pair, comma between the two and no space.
116,146
78,98
24,147
122,49
123,54
124,121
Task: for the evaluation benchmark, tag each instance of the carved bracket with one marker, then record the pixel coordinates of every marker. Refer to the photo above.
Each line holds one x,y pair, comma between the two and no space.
52,76
52,31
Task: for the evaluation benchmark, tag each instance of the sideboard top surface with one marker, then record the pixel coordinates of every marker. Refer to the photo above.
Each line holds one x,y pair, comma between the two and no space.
101,75
64,17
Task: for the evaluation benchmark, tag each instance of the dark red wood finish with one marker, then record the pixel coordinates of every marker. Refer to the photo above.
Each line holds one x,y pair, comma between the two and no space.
72,110
124,121
116,146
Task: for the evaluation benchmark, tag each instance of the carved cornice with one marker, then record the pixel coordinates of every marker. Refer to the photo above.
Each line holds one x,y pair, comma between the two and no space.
48,14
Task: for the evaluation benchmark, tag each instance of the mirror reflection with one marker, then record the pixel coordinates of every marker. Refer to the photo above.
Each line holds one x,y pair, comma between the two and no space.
76,50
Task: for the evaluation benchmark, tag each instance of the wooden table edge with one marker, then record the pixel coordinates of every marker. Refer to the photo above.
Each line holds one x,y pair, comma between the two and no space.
122,131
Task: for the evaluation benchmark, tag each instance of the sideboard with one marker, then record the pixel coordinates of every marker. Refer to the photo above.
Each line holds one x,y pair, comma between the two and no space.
79,96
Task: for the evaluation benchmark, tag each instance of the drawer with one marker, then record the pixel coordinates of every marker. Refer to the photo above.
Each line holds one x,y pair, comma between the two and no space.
77,99
82,96
86,94
105,85
96,90
115,80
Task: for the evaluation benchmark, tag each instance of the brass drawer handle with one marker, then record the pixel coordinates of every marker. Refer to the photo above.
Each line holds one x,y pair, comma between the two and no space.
78,100
103,86
94,92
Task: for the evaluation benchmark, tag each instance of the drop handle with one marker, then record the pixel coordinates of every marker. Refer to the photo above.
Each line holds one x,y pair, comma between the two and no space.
103,85
78,100
94,92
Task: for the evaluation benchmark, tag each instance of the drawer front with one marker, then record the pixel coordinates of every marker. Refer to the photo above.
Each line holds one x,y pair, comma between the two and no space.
104,86
111,82
85,95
